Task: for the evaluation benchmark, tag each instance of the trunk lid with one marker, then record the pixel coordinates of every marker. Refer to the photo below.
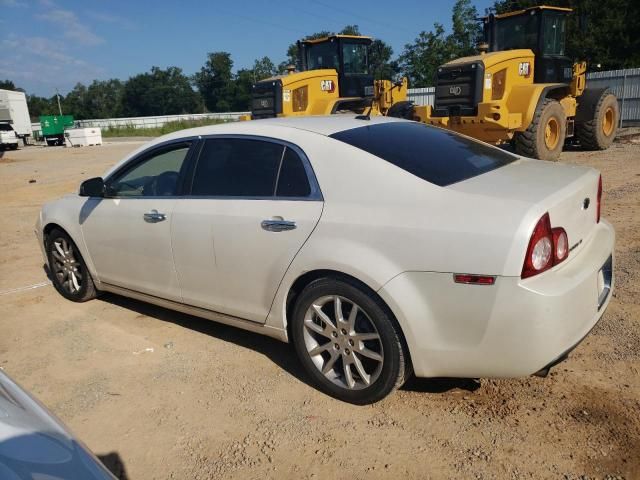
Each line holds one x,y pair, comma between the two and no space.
568,192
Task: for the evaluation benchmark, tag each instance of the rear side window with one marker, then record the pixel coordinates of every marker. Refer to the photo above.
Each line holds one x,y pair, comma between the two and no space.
433,154
234,167
293,180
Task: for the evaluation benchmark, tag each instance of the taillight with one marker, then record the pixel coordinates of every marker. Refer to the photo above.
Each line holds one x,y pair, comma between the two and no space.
561,245
599,206
547,247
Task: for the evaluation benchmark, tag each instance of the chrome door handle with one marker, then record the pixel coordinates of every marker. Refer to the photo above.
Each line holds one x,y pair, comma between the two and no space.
154,216
277,225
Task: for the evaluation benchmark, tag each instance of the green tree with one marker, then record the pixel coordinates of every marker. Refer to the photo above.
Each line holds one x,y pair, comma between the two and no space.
160,92
263,68
420,60
382,66
74,103
215,82
466,28
7,85
244,80
41,106
602,32
104,98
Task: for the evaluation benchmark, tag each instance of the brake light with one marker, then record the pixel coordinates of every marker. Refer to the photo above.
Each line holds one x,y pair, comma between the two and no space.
561,245
547,247
599,206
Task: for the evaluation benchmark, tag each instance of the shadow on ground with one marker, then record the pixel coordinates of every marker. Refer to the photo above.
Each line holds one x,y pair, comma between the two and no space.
114,464
273,349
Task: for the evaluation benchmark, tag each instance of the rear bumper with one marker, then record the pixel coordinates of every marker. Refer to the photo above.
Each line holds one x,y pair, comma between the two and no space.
514,328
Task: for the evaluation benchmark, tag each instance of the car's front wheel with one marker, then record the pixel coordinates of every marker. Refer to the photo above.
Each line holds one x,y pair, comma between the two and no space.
69,273
348,342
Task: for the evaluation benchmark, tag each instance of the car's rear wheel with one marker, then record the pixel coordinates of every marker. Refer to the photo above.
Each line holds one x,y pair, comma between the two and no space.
69,273
348,342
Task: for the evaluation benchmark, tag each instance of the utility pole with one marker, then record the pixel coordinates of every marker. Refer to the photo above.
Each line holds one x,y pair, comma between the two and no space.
58,97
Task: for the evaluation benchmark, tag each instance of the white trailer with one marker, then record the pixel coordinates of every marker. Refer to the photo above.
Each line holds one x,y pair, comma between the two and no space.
14,110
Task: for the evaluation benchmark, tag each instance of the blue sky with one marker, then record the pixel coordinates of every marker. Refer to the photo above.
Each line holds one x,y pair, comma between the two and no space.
49,44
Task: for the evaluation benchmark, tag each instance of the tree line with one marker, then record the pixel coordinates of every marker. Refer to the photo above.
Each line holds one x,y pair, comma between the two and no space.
603,32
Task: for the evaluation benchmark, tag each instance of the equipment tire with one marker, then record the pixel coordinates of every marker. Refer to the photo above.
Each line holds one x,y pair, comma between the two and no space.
545,136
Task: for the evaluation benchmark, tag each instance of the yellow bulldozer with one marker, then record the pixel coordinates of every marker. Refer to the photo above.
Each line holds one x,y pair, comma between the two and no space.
334,76
522,88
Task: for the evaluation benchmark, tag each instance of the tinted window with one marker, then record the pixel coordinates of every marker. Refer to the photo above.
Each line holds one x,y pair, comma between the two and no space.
431,153
553,33
156,176
520,31
292,181
237,168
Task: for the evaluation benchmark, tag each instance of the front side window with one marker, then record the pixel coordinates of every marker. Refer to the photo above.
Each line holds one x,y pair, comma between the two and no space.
156,176
354,57
234,167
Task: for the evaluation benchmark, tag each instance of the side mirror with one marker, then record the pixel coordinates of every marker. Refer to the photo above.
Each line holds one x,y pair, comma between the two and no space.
93,187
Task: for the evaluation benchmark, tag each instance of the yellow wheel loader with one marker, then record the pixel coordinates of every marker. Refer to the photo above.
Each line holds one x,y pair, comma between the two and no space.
334,77
523,90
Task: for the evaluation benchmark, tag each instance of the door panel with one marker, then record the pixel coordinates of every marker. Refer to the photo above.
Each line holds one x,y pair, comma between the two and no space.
226,261
129,250
128,233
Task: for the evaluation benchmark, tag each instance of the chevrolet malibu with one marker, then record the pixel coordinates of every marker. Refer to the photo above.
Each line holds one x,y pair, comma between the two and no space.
378,247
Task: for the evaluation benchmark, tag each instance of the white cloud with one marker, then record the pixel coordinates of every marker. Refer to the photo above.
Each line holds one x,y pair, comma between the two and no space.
13,3
111,19
41,64
71,26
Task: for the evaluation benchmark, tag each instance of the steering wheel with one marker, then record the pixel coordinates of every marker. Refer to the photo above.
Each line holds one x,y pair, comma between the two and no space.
163,185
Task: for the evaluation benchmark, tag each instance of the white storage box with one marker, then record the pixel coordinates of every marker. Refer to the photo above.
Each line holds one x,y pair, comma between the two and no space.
81,137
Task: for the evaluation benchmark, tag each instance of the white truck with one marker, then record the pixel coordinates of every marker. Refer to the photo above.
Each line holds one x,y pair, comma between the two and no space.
15,113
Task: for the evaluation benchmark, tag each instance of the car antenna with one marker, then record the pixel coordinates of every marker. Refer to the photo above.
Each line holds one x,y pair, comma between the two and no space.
366,116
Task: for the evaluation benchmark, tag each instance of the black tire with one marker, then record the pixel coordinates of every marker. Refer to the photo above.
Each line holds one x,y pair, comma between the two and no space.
388,373
402,109
14,146
599,132
533,142
62,272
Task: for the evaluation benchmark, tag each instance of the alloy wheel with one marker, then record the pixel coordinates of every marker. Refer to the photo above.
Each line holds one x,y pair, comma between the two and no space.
342,342
66,266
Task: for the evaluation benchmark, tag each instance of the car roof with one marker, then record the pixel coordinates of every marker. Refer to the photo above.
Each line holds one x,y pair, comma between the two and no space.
323,125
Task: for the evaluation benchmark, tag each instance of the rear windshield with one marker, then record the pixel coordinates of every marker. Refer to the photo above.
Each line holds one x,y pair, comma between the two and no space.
433,154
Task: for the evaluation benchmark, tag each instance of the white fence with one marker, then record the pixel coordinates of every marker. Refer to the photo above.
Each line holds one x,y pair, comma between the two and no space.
149,122
421,96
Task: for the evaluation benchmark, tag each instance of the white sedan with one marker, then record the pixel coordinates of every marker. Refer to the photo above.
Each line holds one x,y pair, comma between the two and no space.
378,247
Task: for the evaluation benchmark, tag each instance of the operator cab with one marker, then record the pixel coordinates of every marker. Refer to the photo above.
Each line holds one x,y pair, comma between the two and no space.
347,54
541,29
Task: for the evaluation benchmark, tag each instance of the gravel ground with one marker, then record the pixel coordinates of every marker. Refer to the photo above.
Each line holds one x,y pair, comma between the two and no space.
159,394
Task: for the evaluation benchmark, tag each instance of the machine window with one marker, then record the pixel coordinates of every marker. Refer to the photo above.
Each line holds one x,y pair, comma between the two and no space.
232,167
323,55
520,31
157,176
553,34
293,180
354,56
432,154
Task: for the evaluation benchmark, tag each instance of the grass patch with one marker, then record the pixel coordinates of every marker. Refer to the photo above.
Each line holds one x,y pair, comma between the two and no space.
131,131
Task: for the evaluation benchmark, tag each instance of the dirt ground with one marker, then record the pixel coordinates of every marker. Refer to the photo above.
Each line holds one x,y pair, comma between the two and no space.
159,394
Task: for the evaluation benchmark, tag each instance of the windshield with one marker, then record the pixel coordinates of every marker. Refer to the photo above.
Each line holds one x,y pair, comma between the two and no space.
322,55
355,59
432,154
519,31
553,34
